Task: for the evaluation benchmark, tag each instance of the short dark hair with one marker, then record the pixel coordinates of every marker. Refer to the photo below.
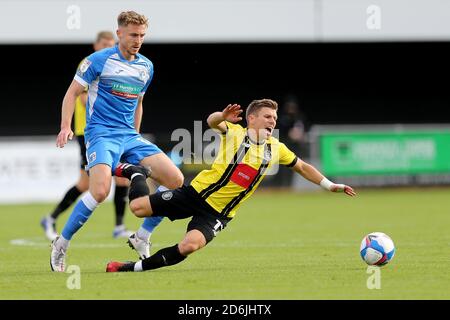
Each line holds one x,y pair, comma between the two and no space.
257,105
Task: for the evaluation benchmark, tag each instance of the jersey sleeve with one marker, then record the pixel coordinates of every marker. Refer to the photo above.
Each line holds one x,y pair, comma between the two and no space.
89,69
231,127
150,77
287,157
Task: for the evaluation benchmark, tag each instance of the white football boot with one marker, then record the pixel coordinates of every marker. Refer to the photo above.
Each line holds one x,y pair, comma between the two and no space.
142,247
49,228
57,257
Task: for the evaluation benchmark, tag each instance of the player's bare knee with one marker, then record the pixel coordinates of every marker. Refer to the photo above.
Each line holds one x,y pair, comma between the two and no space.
176,181
100,193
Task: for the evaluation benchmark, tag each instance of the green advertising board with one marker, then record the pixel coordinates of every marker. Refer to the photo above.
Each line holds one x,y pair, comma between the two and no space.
385,153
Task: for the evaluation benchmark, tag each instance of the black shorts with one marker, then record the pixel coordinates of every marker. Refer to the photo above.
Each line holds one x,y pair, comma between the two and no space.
83,160
185,202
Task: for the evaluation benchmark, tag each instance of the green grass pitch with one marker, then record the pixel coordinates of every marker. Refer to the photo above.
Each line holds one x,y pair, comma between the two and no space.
279,246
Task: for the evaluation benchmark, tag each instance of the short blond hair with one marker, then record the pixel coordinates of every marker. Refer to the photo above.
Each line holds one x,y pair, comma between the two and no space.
256,105
108,35
131,17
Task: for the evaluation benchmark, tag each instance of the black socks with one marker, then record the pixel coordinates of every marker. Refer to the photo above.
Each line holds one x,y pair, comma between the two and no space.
68,199
164,257
120,201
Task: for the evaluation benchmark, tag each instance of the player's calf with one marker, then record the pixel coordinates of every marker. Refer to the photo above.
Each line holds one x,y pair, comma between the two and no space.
194,240
175,181
141,206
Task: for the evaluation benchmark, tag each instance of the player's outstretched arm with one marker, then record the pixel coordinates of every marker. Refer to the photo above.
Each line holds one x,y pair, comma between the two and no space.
310,173
68,106
231,114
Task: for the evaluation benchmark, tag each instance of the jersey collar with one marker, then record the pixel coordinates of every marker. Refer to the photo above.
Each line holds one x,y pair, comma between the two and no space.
254,142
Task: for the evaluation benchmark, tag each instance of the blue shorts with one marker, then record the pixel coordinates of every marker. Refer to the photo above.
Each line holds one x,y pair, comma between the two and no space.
112,148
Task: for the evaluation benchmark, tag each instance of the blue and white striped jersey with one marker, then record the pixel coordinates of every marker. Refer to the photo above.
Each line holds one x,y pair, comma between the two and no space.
115,85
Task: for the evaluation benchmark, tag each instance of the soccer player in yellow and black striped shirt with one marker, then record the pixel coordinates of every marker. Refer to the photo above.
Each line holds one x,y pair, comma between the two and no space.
214,195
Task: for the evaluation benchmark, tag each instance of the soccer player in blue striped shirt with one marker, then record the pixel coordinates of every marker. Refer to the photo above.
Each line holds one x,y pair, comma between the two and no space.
117,78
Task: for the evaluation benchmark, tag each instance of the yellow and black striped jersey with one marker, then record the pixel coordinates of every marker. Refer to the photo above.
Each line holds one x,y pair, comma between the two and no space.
238,169
79,114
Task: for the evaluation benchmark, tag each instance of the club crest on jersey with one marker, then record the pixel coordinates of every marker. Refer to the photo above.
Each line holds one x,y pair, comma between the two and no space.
167,195
92,157
267,155
143,75
85,65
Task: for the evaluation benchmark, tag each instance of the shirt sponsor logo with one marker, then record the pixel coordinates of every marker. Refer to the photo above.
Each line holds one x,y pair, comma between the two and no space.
125,90
244,175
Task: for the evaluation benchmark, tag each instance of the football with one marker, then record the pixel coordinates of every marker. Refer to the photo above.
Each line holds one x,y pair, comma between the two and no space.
377,249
